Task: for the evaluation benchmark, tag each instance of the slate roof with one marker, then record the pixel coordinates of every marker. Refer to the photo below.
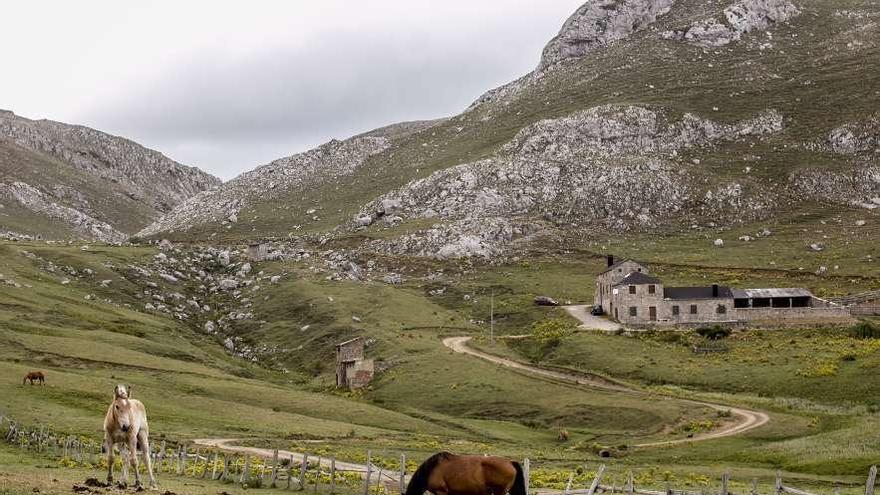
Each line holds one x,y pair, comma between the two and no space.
615,265
769,293
696,292
638,278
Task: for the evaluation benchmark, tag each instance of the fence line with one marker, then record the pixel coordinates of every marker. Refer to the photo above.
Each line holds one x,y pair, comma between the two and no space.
252,470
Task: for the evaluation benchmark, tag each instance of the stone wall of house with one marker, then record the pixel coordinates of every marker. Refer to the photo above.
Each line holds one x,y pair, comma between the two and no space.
258,252
361,374
707,311
789,314
605,282
642,300
350,351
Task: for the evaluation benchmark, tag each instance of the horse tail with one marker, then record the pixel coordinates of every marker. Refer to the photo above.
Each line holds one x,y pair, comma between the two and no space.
519,484
418,483
25,380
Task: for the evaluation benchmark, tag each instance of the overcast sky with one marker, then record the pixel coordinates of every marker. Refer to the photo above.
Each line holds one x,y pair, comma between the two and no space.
226,86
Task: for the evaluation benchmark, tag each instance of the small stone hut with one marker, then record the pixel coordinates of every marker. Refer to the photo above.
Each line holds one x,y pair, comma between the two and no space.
258,251
352,370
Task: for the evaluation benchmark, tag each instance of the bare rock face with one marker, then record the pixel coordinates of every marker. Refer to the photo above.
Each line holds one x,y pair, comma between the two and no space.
600,22
33,199
146,175
739,18
856,137
612,165
324,164
859,186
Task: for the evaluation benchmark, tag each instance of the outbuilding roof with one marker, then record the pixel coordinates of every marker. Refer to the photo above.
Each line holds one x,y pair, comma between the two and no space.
638,278
696,292
770,293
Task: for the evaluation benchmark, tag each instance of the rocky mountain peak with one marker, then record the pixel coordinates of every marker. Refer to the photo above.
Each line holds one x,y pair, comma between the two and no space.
599,22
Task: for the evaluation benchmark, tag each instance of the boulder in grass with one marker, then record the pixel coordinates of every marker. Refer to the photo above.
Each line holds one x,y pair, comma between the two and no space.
546,301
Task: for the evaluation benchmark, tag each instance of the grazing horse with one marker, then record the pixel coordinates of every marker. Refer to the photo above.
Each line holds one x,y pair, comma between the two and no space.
126,424
450,474
34,376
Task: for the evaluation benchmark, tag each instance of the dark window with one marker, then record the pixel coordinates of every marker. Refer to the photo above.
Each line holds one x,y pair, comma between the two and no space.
652,311
722,309
633,311
632,289
675,311
640,270
652,289
693,309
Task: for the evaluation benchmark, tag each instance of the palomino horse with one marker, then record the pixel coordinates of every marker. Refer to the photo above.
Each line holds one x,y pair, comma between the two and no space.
450,474
126,423
35,376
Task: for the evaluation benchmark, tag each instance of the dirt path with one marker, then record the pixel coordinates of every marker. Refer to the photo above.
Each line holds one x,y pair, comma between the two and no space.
590,322
745,419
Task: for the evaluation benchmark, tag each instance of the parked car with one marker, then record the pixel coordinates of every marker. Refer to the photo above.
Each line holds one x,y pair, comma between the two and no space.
597,311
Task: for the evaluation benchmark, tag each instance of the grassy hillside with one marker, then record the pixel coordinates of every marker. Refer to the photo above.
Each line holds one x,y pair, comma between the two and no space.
96,197
807,74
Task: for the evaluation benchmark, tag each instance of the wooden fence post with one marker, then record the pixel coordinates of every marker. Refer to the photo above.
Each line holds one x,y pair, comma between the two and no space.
754,486
568,485
274,467
872,479
401,481
368,473
332,475
630,488
527,474
778,482
379,480
725,479
302,471
225,474
183,460
289,471
596,480
318,475
246,470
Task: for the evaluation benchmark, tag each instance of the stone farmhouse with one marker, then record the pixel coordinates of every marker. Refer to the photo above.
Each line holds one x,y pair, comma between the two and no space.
628,293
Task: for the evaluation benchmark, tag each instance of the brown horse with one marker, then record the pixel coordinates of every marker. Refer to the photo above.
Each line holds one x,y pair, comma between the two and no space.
450,474
126,424
35,376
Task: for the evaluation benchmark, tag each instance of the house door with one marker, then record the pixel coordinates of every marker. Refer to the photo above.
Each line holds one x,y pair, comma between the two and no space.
652,311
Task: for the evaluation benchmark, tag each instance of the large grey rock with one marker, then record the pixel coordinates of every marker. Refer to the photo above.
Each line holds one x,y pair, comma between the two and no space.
740,18
600,22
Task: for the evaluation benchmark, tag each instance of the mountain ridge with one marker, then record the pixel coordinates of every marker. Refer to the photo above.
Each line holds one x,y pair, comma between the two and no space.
701,66
87,183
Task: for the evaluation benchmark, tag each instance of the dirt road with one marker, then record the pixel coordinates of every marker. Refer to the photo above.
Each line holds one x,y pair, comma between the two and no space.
590,322
745,419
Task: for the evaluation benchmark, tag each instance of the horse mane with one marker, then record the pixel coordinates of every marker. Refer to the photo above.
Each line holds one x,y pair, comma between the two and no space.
419,481
519,483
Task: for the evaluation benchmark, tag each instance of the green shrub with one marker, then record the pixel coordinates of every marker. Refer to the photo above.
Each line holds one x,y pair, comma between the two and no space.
715,332
865,330
550,332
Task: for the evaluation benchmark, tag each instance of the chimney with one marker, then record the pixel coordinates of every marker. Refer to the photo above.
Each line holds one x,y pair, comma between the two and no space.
610,260
714,290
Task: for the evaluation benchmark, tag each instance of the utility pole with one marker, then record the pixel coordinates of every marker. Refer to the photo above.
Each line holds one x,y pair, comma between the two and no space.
492,318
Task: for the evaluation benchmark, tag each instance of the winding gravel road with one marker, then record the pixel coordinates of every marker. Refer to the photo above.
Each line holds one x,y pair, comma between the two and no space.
746,419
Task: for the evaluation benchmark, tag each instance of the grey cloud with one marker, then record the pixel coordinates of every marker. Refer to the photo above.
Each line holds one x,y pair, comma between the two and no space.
285,99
